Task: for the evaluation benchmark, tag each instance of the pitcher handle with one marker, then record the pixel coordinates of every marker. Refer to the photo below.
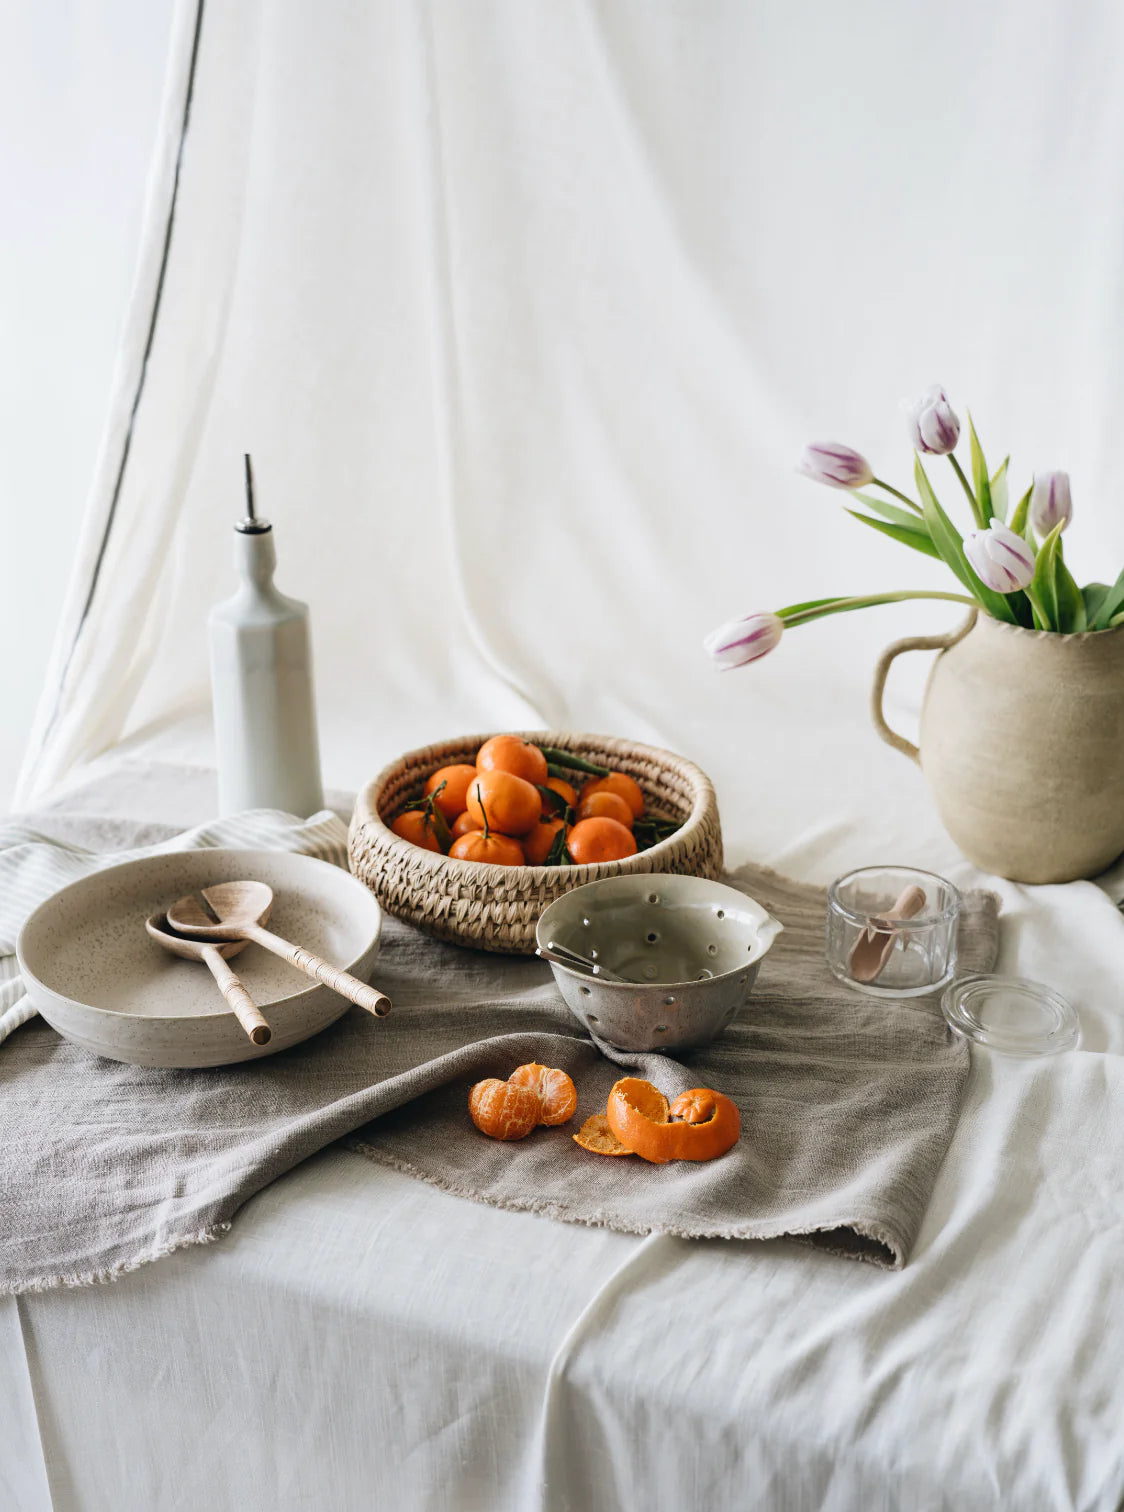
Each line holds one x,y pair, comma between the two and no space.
881,671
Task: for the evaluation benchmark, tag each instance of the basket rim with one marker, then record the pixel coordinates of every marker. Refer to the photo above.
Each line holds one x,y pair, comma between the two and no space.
365,815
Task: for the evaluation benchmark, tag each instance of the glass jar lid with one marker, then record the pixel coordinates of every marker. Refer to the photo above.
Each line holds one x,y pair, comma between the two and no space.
1011,1015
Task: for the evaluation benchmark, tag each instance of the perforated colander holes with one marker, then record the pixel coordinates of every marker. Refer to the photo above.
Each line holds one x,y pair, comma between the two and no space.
712,950
653,897
652,937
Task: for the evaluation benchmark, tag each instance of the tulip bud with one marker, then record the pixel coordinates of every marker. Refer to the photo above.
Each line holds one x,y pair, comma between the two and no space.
933,424
1050,503
743,640
837,466
1002,560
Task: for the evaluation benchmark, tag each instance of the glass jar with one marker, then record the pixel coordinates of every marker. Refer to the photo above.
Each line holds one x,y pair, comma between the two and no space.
891,930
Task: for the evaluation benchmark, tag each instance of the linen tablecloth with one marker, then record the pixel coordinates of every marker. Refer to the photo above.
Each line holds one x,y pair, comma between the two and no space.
360,1338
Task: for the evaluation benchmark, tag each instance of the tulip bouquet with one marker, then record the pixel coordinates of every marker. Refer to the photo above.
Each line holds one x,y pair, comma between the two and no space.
1014,569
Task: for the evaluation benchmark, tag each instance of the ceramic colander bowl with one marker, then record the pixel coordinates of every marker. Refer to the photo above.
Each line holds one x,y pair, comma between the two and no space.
690,949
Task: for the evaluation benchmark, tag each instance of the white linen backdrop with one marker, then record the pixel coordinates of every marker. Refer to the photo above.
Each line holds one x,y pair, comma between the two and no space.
524,311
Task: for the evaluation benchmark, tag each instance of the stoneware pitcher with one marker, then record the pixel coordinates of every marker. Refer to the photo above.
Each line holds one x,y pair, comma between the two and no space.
1022,743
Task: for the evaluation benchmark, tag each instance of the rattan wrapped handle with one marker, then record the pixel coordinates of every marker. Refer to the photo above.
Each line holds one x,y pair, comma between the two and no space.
315,966
247,1012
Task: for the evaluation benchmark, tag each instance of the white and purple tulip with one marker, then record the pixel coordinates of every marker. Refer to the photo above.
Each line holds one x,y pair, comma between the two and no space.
837,466
1002,560
933,424
743,640
1050,502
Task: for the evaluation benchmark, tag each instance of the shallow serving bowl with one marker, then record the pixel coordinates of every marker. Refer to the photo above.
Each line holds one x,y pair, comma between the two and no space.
691,949
95,976
497,907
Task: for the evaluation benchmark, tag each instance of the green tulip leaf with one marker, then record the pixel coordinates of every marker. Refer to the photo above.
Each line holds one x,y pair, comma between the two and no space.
1043,589
803,608
1094,595
1110,606
999,490
1072,618
920,540
950,545
979,475
892,512
1021,516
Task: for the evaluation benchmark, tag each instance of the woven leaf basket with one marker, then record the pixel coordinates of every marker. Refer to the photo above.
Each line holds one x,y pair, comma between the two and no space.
497,907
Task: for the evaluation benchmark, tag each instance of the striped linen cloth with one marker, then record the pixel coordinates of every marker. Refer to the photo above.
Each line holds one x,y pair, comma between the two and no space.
33,866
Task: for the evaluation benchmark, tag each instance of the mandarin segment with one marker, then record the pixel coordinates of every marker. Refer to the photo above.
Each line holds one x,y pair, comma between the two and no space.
596,1136
503,1110
557,1090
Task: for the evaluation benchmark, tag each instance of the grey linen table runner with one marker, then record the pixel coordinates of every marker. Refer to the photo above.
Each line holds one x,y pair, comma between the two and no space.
848,1104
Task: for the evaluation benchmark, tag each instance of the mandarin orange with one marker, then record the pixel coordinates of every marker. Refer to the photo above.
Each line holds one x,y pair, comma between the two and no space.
462,824
504,802
600,840
451,798
564,790
622,784
416,825
488,846
537,841
510,753
606,805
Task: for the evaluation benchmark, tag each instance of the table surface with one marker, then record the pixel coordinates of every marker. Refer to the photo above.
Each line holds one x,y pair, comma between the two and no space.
361,1339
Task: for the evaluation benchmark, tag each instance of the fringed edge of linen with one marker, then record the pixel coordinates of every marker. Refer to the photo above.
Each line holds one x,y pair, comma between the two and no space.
873,1243
113,1272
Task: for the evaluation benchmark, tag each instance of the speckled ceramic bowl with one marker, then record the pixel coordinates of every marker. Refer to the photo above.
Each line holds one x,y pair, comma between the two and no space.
689,948
95,976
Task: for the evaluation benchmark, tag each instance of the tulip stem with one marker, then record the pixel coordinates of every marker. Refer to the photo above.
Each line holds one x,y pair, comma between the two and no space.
897,493
977,512
842,605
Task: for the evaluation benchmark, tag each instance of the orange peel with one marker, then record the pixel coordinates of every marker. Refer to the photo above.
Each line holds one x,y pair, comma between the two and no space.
700,1124
596,1136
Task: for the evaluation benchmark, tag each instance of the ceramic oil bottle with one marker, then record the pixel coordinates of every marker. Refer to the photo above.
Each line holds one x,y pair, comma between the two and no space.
261,682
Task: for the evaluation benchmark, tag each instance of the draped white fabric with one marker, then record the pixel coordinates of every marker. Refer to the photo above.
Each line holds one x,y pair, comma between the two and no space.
524,311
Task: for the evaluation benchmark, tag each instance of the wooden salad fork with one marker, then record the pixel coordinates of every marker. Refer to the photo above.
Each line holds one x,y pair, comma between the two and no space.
232,911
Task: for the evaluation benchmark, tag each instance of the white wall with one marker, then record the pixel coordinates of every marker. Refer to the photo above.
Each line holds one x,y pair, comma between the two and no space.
80,87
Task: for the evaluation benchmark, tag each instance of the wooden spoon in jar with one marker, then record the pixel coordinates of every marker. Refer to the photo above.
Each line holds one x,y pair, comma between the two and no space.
872,948
247,1012
239,911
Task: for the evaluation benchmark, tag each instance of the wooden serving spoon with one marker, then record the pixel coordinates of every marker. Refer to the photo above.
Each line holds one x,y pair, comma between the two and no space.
872,949
239,911
249,1015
